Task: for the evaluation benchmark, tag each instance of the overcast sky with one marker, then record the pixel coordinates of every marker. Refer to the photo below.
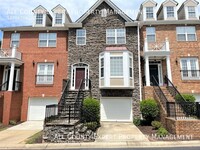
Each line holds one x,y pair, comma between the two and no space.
19,13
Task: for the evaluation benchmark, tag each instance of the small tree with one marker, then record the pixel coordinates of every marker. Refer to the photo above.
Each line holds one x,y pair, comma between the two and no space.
149,109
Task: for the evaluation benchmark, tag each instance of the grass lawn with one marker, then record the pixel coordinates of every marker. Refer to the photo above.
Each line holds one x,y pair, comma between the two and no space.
36,138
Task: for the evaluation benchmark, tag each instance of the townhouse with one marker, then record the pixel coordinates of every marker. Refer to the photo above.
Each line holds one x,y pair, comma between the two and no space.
170,45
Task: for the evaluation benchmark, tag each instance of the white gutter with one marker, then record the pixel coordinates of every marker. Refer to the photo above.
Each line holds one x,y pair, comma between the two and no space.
139,63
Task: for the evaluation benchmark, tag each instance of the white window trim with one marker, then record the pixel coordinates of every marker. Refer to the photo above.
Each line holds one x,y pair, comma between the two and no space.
187,13
189,69
14,40
131,57
154,14
150,12
151,34
45,73
100,59
43,23
115,37
47,45
186,34
81,36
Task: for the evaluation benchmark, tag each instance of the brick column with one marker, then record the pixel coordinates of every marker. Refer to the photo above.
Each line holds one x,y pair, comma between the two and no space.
6,107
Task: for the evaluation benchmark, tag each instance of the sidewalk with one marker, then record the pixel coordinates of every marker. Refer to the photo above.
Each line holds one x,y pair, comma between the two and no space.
101,145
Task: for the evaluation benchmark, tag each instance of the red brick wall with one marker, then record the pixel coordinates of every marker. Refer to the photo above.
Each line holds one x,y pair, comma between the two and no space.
177,51
184,127
148,92
32,53
1,106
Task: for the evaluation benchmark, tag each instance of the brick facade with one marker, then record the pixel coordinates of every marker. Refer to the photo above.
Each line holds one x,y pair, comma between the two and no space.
31,55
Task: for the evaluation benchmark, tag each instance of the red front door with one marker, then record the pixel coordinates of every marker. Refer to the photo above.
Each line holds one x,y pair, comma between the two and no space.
80,75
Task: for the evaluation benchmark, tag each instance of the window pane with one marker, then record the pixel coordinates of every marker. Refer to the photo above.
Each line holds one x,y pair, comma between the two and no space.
110,32
150,30
45,73
39,18
52,43
43,36
52,36
190,30
58,18
149,12
191,37
151,38
120,33
170,11
81,32
81,40
181,37
111,40
116,66
121,40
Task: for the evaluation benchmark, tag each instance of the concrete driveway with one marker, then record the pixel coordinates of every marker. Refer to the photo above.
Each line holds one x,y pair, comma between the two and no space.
18,134
119,132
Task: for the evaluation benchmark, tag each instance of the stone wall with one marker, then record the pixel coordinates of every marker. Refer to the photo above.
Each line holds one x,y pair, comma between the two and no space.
96,26
183,127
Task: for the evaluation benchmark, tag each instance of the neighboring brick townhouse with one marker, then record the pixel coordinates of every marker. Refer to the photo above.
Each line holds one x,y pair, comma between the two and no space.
169,41
106,50
32,72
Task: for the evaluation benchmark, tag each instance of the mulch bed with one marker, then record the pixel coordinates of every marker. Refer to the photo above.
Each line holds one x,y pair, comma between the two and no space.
151,134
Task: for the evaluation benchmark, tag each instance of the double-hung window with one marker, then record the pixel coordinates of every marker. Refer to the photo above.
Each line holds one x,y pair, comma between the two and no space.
58,18
15,37
186,33
149,12
116,36
130,67
80,37
189,68
45,73
191,12
170,12
47,39
151,34
39,19
116,66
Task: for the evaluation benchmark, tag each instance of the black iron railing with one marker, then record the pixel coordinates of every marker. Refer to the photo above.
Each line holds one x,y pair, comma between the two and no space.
173,90
17,85
44,79
190,74
4,86
159,93
183,110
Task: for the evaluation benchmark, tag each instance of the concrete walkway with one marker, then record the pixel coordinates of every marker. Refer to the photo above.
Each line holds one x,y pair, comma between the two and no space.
18,134
119,132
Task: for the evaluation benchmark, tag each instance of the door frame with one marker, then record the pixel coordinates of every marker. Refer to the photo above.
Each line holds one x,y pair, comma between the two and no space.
160,71
73,75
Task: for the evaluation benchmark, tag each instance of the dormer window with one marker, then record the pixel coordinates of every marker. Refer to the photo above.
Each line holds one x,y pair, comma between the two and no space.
170,12
191,12
58,18
149,12
39,18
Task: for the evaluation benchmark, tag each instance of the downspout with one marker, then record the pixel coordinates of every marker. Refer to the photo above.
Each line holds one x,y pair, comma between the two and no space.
139,62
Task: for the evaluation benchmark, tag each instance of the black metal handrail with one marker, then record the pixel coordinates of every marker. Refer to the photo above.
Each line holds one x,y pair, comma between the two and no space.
65,91
4,84
183,110
173,90
160,93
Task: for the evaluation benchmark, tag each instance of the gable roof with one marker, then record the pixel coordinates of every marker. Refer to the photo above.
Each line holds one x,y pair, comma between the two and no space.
187,2
161,7
65,10
141,6
111,4
40,7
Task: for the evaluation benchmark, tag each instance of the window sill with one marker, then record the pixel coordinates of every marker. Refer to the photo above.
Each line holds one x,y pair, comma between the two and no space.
44,85
190,80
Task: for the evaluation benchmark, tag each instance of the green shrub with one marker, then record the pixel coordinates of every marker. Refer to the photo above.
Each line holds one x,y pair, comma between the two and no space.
187,97
12,122
162,132
156,124
92,125
91,110
137,121
149,109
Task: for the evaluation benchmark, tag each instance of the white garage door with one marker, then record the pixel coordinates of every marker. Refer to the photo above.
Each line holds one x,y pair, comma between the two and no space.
37,106
197,96
116,109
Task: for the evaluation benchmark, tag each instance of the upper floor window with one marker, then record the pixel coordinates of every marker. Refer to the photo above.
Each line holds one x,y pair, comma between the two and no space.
45,73
170,12
15,37
80,37
151,34
191,12
186,33
189,68
116,66
47,39
149,12
39,18
58,18
102,67
116,36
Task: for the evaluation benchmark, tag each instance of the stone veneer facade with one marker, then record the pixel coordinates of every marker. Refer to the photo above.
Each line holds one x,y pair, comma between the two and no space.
96,26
